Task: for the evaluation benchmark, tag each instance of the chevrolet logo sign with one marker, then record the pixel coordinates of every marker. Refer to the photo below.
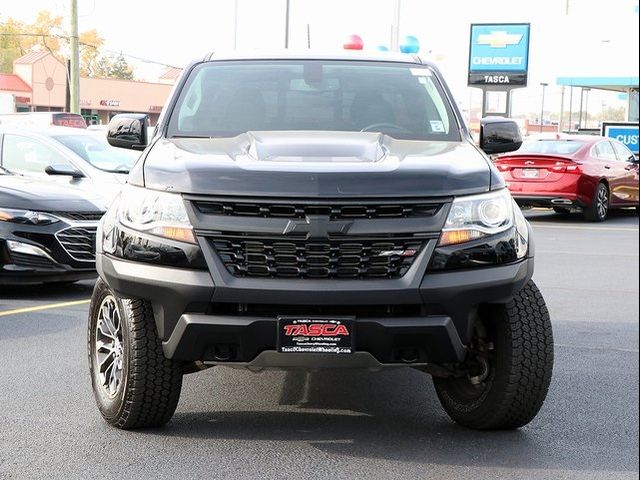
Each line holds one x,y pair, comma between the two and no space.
317,226
499,39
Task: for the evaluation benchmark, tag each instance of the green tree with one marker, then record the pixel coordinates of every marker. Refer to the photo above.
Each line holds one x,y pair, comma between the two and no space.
119,68
11,46
613,114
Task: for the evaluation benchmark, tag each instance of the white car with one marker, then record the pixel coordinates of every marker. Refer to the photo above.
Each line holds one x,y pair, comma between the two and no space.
68,156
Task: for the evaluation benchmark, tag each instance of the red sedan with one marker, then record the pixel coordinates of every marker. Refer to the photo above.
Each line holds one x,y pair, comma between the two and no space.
572,172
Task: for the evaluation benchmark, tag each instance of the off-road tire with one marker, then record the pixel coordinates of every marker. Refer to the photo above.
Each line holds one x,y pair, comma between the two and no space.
521,364
150,388
593,213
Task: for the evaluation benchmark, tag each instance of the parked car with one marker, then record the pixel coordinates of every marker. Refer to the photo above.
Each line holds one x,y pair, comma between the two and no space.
302,211
42,120
586,173
68,156
47,231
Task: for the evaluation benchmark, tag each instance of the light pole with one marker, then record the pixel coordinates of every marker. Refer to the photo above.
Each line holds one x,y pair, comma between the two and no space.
286,24
586,108
544,86
395,28
235,24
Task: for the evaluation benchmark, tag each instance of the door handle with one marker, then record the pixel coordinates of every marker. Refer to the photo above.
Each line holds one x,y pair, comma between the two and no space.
607,167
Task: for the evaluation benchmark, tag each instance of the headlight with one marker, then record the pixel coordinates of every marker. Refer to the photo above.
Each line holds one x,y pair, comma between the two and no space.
477,216
157,213
482,230
26,217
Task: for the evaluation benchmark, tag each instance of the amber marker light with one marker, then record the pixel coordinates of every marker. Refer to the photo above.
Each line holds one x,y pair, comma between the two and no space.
453,237
182,234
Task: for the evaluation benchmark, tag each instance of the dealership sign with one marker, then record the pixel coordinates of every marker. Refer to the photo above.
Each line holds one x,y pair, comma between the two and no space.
109,103
499,54
626,133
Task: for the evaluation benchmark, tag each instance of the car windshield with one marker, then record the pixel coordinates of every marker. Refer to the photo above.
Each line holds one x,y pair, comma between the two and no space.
99,153
552,147
224,99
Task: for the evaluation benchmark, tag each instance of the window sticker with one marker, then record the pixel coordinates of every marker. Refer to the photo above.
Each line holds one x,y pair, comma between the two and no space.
437,126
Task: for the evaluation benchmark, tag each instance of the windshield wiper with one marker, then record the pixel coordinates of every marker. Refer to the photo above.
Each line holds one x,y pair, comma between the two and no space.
117,170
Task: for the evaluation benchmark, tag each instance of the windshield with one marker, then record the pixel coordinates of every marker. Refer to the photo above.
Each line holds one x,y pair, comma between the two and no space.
224,99
552,147
99,153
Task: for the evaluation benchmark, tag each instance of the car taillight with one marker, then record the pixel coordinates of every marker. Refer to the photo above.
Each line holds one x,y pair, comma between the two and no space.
503,168
565,168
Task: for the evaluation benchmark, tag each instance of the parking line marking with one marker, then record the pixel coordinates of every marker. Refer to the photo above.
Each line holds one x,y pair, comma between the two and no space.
579,227
590,254
43,307
603,349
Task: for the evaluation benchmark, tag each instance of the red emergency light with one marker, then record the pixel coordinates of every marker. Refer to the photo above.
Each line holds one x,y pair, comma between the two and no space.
353,42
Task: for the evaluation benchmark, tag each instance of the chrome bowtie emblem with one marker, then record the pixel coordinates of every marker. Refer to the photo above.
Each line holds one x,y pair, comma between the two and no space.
317,226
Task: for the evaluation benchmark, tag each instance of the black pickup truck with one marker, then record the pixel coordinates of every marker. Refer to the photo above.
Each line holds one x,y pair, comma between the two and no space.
307,211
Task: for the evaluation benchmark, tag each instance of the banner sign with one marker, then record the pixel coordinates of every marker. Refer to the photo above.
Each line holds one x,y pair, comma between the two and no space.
624,132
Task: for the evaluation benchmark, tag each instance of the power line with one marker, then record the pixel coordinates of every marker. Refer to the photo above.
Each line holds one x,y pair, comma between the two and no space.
84,44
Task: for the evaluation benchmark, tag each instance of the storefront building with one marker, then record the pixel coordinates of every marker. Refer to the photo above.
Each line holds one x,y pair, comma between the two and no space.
39,84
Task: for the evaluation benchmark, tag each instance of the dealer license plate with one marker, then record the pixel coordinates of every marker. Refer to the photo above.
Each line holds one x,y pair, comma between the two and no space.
315,335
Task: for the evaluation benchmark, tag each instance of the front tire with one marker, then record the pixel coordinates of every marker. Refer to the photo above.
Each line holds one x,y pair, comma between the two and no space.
509,367
133,383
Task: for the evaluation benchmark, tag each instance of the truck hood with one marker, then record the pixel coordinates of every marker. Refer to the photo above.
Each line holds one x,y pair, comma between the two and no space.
316,164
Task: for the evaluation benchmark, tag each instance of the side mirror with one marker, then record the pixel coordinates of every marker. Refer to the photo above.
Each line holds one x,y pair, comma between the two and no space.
128,130
499,135
67,170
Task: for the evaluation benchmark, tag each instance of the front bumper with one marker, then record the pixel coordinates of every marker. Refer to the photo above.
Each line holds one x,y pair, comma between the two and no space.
59,252
190,330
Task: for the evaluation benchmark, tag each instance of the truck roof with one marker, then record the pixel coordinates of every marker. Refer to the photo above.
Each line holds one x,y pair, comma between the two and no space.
361,55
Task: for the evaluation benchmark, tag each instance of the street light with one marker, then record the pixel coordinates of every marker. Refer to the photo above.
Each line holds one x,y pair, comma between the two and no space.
286,23
544,86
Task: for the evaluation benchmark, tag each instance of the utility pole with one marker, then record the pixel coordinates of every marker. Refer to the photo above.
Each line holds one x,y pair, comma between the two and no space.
286,24
74,71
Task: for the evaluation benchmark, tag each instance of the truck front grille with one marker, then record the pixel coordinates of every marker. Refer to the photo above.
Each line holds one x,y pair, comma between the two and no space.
351,258
333,210
79,243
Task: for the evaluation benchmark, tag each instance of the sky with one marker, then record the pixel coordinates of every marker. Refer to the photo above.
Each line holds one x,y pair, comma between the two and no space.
568,37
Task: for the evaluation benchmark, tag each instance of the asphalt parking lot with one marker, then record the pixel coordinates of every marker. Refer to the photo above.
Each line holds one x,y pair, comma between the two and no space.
235,424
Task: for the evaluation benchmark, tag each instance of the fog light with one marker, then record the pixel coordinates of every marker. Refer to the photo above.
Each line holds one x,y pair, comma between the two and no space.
27,249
